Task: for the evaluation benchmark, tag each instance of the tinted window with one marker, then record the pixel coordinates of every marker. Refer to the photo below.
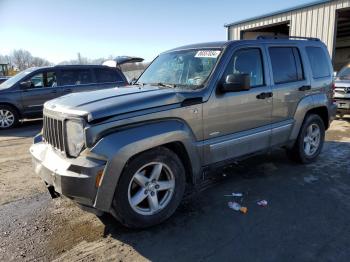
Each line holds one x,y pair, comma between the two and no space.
76,77
107,75
248,61
44,79
318,62
286,64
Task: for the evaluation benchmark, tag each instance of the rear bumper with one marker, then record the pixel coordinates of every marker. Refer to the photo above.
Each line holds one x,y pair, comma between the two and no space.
73,178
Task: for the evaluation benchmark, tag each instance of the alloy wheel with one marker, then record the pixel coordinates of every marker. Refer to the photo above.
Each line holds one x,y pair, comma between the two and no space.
151,188
7,118
312,139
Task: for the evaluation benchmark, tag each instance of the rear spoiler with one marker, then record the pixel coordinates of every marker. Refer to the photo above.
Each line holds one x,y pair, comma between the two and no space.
121,60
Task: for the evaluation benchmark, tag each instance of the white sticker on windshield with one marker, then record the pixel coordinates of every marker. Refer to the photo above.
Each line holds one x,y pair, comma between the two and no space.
208,53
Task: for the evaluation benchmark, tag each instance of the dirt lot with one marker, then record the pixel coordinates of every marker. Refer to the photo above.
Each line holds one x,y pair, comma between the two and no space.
306,219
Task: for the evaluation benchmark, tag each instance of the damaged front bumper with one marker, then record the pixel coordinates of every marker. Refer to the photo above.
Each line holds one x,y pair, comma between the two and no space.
74,178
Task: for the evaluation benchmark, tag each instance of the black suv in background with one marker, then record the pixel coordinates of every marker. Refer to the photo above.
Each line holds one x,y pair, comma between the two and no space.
23,95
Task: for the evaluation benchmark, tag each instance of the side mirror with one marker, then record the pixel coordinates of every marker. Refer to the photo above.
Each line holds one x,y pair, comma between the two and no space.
236,83
335,74
133,81
26,84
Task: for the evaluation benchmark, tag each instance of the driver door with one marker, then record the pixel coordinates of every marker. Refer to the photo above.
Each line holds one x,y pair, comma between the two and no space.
239,123
43,87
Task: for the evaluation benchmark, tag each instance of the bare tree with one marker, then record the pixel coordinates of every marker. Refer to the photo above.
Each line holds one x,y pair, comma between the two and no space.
38,61
21,59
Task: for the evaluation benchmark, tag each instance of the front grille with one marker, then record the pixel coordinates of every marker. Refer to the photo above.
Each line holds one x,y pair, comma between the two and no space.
53,132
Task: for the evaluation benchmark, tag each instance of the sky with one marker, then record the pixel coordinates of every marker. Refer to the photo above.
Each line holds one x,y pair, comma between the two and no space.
58,29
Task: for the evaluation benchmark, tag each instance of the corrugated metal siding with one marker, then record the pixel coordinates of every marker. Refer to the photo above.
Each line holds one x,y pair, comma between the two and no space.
316,21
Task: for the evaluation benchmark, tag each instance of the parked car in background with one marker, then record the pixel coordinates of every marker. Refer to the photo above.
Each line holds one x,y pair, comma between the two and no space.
342,91
23,95
132,152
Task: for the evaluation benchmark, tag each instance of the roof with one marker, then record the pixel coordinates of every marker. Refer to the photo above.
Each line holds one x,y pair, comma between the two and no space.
219,44
279,12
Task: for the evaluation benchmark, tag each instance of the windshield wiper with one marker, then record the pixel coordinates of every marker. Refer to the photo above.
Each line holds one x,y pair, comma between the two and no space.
163,85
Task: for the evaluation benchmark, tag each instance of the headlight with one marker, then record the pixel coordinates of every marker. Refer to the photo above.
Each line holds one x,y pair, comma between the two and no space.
75,137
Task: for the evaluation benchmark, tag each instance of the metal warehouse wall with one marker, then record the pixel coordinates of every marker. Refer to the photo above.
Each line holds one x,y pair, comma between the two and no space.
314,21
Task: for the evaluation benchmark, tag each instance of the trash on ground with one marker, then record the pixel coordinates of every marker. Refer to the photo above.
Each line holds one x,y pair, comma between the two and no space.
262,203
237,207
235,195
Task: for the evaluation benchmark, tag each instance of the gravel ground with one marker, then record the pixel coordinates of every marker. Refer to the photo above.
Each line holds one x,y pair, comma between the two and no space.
306,218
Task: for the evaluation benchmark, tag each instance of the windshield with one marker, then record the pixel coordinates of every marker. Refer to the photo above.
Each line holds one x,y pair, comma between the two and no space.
11,81
187,68
344,74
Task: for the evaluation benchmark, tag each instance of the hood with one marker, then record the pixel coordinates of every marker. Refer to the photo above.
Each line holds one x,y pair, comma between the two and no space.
114,101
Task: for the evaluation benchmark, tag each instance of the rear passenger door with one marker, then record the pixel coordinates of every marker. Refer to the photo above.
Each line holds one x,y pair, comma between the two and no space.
76,80
108,77
289,85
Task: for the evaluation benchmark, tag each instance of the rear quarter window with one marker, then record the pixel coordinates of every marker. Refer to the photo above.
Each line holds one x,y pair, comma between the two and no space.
107,76
318,62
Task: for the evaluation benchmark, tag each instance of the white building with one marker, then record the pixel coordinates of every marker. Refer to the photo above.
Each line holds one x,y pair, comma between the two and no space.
328,20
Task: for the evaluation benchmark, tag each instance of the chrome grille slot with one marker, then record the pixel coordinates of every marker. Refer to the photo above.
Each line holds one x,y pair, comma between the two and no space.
53,132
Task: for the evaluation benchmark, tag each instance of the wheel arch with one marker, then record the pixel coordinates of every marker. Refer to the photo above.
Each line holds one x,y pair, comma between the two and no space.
120,147
313,104
12,106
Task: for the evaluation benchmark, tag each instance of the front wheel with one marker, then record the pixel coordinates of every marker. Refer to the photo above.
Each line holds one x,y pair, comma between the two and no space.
8,117
310,140
150,188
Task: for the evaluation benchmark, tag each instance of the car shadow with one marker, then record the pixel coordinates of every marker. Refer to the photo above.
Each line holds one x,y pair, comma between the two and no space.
299,199
27,128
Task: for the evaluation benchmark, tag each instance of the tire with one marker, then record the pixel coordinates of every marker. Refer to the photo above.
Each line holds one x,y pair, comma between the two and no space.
9,117
132,188
300,152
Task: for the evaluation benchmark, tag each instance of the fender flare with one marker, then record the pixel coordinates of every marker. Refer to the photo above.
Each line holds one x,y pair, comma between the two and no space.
304,106
120,146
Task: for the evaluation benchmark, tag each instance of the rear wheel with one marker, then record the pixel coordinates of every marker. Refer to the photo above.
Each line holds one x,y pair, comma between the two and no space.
310,140
8,117
150,188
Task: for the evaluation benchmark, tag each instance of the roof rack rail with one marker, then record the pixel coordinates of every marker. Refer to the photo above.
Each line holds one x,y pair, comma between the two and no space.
261,37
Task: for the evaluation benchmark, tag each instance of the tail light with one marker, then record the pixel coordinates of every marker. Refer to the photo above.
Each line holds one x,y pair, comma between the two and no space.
332,92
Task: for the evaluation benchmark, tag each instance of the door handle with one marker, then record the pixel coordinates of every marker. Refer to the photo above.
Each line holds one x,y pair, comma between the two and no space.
264,95
54,91
68,90
304,88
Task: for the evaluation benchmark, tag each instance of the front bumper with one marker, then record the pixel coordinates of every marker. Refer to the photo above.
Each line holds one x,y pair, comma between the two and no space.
74,178
343,105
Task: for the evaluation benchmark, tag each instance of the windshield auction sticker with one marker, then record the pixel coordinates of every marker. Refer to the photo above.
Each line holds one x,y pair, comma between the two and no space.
208,53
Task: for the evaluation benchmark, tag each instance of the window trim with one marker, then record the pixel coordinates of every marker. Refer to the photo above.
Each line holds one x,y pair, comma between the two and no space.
293,52
261,60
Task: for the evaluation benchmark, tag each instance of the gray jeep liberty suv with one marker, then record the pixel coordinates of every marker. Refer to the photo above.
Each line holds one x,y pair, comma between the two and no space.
131,151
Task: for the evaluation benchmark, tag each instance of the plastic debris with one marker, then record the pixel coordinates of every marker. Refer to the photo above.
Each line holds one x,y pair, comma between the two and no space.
262,203
235,195
234,205
244,210
237,207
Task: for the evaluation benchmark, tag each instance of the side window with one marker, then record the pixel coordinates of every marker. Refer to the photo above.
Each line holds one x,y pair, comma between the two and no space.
44,79
248,61
107,75
286,64
318,62
76,77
